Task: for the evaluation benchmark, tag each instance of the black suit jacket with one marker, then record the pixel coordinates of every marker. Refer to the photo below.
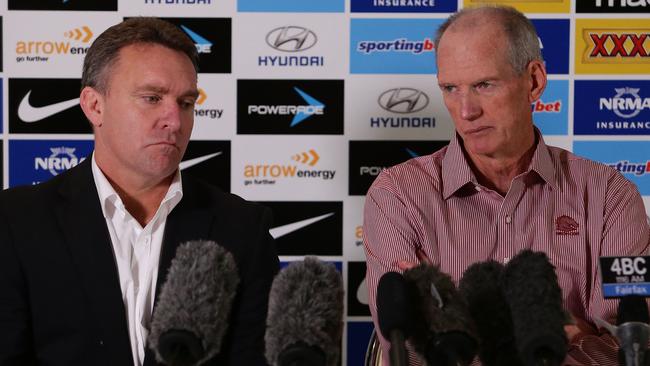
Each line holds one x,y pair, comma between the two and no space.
60,297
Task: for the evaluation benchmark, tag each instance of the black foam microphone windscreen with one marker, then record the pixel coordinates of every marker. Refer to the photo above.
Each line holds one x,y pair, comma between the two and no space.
394,314
443,332
191,316
305,317
532,291
480,286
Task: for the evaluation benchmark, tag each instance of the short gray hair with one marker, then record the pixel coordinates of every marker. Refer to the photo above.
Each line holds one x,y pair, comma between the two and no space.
523,43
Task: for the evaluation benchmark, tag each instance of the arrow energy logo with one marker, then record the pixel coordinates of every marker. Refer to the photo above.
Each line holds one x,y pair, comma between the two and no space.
78,42
270,174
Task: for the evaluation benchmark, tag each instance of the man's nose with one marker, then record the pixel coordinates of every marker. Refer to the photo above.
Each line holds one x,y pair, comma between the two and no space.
172,115
470,106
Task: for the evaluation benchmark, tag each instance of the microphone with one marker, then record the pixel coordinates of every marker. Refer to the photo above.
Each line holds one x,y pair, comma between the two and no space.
445,334
632,332
394,315
191,316
481,289
304,323
531,290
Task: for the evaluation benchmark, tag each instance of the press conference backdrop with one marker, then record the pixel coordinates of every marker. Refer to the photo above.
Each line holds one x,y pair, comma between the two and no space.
298,101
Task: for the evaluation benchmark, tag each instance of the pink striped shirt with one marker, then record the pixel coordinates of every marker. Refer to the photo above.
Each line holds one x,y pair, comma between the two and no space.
435,204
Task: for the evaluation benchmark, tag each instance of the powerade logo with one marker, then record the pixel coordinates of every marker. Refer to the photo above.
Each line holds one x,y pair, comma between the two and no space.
612,107
290,107
550,112
393,46
202,44
291,39
398,45
36,161
369,158
630,158
213,40
299,112
291,6
404,6
554,42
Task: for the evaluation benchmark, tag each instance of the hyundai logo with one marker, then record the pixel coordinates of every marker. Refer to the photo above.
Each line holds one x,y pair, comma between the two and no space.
403,100
291,39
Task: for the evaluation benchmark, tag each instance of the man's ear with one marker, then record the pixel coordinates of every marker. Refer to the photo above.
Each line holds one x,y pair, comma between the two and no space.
536,71
92,103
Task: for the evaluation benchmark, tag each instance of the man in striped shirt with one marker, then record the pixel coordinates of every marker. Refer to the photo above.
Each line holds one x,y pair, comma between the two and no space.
498,188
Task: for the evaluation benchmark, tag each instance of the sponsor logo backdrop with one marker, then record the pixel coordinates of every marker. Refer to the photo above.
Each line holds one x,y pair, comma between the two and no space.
302,103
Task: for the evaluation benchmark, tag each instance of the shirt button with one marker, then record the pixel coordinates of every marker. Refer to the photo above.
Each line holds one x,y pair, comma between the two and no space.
506,260
478,189
508,219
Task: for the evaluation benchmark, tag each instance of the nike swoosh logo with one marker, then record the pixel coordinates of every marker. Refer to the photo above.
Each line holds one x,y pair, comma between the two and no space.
29,113
362,292
283,230
192,162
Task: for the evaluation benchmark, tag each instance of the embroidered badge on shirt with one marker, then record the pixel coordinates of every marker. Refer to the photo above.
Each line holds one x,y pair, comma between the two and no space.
565,225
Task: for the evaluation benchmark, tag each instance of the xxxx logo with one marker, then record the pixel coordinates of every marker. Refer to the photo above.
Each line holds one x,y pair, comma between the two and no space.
605,46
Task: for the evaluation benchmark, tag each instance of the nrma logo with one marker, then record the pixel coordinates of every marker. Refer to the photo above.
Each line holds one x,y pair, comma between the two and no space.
202,44
627,103
304,168
299,112
637,169
40,51
397,45
61,159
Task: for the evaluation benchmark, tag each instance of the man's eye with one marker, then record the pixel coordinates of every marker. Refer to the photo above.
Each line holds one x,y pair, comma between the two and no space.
448,88
483,85
151,98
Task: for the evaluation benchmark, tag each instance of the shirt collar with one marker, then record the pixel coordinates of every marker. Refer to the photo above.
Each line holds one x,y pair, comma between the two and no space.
110,200
456,172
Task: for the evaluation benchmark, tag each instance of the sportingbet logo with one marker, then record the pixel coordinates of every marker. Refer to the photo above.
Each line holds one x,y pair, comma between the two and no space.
551,107
299,112
627,103
304,167
77,43
637,169
202,44
397,45
62,159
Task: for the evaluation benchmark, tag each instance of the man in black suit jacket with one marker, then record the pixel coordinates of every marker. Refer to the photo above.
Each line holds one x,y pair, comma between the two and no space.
61,301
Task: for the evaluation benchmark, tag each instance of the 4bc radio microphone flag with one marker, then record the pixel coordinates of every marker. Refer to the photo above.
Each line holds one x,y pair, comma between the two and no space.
191,316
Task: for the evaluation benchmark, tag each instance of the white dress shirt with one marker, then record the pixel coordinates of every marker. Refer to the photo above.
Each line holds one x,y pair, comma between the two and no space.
137,253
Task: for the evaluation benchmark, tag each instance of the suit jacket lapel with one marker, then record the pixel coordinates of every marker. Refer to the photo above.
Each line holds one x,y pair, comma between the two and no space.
84,228
191,219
